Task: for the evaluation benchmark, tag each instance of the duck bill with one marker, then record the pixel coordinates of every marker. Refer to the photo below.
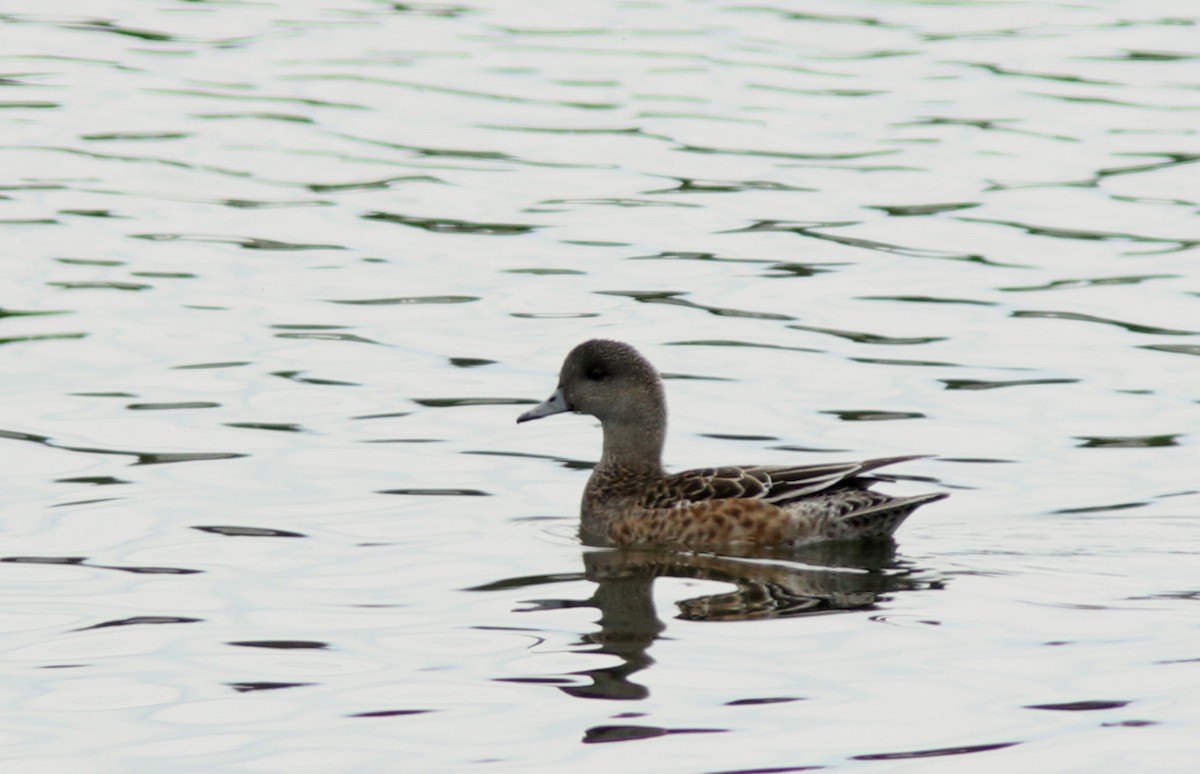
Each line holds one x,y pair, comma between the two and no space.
555,404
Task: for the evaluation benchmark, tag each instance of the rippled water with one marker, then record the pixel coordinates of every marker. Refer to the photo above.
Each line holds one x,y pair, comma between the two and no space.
280,276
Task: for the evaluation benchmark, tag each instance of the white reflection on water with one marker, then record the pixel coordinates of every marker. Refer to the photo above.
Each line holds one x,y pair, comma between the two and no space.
280,278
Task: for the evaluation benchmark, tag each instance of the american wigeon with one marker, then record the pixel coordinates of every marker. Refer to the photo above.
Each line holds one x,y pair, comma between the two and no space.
631,501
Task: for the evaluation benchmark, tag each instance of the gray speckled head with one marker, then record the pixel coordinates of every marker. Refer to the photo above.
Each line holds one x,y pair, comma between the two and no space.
612,381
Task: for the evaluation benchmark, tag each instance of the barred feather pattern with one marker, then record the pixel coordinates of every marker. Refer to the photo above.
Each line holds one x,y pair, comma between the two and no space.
722,509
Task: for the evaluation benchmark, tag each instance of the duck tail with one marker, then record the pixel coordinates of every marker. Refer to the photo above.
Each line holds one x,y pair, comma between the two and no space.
886,517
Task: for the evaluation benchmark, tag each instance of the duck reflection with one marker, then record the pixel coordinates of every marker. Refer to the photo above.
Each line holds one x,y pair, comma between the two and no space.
829,578
835,577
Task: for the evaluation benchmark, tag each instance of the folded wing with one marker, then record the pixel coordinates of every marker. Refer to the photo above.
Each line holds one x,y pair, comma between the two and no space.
778,485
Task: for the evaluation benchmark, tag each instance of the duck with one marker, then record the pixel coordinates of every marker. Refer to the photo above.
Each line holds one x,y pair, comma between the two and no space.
631,501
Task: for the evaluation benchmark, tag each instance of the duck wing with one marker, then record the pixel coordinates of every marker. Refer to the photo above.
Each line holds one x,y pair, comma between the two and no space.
775,484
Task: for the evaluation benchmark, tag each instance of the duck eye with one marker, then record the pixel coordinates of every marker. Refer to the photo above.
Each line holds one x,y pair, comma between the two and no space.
596,374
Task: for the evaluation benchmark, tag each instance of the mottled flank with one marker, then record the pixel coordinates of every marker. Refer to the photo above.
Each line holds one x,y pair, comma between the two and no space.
631,501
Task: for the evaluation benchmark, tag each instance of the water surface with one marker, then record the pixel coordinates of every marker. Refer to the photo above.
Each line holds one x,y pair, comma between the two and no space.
280,276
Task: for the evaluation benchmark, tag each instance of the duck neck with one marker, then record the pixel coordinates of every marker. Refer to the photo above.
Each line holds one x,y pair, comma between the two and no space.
634,445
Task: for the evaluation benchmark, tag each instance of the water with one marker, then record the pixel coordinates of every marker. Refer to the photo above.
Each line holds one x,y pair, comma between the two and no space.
280,277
